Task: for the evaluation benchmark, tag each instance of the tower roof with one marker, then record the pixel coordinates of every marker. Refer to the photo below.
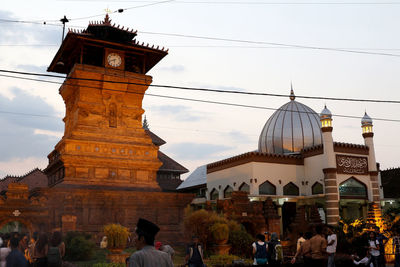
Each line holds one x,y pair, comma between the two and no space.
103,34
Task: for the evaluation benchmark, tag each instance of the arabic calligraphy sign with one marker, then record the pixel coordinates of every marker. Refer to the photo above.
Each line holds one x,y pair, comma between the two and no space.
351,165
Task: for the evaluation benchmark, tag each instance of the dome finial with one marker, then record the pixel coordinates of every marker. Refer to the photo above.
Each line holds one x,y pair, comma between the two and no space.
292,96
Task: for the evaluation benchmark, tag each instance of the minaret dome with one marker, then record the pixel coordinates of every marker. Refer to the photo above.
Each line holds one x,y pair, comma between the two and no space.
366,124
326,118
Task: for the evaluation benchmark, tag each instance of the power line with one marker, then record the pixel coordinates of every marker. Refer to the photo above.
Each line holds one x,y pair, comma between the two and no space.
354,51
193,100
205,89
227,46
249,3
270,43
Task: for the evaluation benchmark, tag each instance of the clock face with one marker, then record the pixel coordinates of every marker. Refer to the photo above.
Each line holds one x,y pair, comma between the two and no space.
114,60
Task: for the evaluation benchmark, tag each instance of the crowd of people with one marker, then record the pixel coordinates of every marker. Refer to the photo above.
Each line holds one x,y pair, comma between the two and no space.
320,249
19,250
312,249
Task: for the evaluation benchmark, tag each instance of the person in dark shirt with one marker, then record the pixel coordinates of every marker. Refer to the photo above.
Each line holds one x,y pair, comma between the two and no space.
15,258
194,253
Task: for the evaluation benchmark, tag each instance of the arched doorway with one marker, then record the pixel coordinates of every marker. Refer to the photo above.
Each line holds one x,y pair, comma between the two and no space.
353,198
15,225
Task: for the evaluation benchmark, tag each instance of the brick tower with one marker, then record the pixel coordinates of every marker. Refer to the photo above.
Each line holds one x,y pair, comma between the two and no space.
104,144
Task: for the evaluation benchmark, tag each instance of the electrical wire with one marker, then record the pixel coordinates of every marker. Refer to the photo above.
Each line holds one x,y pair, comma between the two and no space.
248,3
245,41
192,99
204,89
228,46
269,43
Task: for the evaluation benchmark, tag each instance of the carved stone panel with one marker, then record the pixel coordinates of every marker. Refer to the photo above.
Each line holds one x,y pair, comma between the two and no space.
351,165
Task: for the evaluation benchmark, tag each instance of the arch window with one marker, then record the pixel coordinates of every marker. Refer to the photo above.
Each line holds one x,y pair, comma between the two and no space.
267,188
214,194
228,192
317,188
291,189
352,188
244,188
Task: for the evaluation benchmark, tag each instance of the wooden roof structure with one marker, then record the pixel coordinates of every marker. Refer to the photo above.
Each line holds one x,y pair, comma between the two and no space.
103,34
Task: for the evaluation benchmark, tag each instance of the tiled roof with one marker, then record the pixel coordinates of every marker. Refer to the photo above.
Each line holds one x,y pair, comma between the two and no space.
197,178
170,165
158,141
35,178
105,29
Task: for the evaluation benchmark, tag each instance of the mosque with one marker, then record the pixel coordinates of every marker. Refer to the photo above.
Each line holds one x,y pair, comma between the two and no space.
297,164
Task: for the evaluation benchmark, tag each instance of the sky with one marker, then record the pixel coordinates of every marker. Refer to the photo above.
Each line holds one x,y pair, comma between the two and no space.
198,133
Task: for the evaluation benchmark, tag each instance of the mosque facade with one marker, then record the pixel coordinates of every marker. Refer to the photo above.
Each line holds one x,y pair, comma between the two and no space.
298,164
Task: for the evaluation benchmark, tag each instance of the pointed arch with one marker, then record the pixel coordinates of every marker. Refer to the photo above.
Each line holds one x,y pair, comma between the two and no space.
291,189
353,188
214,194
317,188
267,188
228,191
244,187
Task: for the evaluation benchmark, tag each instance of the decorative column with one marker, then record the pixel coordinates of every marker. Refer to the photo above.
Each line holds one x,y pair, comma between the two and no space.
368,134
330,180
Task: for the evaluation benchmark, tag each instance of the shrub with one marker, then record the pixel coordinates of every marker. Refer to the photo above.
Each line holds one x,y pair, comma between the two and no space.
117,235
221,259
220,231
241,243
112,264
79,246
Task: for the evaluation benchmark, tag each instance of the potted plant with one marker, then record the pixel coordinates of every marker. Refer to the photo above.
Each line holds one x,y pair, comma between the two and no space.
117,237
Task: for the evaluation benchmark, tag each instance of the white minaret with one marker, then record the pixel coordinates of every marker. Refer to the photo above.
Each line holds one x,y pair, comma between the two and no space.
368,134
327,139
329,169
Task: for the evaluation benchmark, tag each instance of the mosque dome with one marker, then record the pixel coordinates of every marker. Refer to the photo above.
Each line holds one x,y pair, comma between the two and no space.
366,120
291,128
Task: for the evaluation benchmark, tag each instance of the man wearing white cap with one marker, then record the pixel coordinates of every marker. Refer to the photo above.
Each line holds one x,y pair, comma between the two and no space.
146,255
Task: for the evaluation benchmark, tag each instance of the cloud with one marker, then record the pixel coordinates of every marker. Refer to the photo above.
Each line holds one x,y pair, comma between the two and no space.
240,137
196,151
32,68
21,166
21,131
219,87
179,112
173,68
13,33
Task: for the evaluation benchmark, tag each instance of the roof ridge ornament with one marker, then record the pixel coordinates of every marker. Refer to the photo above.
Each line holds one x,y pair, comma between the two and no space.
292,96
107,20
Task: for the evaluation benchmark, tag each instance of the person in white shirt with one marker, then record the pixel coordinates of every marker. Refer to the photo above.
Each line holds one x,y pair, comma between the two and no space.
365,261
331,246
373,246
